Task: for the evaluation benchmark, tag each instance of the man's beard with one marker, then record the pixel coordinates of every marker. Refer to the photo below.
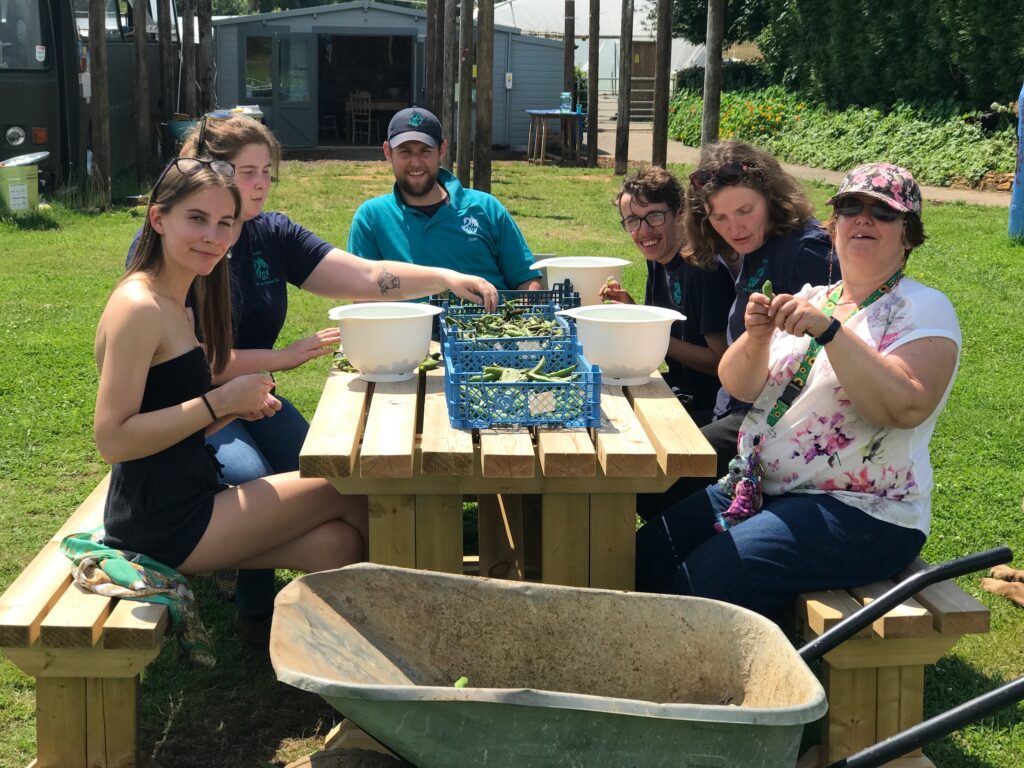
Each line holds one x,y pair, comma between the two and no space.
422,186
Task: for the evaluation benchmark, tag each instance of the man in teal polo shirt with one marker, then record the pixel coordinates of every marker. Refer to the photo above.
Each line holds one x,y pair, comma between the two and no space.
430,219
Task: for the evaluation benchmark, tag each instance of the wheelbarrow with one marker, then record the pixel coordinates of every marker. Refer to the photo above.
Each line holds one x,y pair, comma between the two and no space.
561,676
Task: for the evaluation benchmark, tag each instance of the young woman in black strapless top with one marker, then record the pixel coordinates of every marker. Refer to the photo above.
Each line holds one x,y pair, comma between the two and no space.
154,406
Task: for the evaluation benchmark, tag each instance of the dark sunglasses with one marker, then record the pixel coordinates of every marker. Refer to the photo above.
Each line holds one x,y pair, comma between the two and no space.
190,166
724,175
653,219
878,210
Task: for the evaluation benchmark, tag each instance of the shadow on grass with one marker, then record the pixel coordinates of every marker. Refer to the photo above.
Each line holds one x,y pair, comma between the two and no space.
553,216
36,220
235,715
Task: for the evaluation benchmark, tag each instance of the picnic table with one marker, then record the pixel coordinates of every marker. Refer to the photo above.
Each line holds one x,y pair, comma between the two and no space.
394,443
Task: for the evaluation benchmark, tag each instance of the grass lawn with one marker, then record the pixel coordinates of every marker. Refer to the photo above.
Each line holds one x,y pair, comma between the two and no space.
58,268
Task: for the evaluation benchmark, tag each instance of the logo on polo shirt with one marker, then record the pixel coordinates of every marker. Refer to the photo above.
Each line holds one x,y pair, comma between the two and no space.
470,225
261,271
677,291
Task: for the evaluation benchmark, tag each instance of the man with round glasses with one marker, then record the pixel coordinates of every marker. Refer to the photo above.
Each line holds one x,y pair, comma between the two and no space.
649,204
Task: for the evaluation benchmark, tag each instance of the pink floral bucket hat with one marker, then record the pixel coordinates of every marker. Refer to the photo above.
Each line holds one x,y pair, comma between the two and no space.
893,185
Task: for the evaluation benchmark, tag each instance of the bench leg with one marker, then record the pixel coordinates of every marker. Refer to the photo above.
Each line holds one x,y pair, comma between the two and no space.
90,722
867,706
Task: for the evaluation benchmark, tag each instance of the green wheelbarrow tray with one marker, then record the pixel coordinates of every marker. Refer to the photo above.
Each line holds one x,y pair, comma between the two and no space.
557,676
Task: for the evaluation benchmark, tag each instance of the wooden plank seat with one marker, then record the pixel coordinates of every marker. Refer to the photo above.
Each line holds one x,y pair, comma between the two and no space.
874,681
85,652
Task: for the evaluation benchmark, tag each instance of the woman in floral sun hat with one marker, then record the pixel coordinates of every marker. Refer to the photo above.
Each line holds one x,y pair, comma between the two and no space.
833,479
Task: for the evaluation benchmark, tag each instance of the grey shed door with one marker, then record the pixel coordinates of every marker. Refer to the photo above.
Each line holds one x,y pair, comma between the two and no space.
294,94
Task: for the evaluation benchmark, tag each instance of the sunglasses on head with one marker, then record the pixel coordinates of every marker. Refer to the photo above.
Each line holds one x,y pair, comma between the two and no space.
201,142
724,175
878,210
190,166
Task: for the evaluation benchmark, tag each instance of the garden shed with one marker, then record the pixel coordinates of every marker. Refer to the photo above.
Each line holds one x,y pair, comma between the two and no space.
307,69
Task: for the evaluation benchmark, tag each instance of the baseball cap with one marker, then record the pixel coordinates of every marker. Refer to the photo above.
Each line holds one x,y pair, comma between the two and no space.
414,124
893,185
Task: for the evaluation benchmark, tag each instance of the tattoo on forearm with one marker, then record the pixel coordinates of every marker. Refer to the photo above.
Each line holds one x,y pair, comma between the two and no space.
388,282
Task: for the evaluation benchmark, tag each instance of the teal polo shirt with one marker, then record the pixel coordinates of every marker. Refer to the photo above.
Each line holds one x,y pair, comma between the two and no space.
473,234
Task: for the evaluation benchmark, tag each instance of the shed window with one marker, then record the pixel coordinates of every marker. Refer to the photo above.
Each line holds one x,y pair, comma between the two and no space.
258,84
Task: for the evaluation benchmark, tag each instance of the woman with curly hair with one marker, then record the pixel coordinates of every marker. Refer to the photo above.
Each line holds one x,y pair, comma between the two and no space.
744,211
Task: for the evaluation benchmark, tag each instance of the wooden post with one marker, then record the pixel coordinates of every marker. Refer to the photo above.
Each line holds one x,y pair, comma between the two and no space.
188,59
465,145
713,72
448,89
99,107
143,134
484,96
434,54
593,67
163,22
662,64
625,78
569,56
568,67
207,98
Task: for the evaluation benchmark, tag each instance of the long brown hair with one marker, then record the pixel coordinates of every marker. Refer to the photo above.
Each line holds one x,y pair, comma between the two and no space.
225,137
212,292
788,206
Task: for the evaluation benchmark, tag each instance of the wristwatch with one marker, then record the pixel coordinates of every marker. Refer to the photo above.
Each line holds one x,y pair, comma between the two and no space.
829,333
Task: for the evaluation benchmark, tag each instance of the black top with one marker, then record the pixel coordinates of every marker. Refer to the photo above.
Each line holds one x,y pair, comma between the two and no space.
160,504
704,297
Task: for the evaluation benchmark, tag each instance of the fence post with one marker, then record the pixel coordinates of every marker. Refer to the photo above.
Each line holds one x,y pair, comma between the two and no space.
1016,228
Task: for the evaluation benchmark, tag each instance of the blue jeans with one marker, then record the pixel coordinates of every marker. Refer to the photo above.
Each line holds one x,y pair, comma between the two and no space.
799,542
250,450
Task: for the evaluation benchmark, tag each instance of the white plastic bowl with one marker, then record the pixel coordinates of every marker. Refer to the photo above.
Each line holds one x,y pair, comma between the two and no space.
385,341
628,341
587,273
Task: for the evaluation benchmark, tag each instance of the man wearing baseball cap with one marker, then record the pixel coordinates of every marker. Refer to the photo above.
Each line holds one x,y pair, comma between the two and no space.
430,219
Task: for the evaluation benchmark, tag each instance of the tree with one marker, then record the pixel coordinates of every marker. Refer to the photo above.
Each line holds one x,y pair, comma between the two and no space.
625,82
99,106
143,134
713,73
484,96
663,63
744,19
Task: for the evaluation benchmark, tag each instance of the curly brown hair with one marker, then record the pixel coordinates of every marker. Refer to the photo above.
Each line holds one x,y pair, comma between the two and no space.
652,184
788,206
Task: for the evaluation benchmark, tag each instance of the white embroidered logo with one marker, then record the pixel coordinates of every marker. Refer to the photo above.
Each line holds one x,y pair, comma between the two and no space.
470,225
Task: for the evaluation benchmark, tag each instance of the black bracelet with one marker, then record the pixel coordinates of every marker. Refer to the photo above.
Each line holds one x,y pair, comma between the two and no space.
209,407
829,333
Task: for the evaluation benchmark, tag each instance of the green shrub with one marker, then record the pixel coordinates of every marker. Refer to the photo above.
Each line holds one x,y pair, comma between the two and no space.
736,76
937,145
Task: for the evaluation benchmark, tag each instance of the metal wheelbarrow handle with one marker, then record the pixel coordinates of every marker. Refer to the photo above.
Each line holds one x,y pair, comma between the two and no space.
936,727
852,624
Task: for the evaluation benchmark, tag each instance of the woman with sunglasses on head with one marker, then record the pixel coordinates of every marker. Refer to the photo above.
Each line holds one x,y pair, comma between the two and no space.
833,480
270,252
154,404
742,210
649,205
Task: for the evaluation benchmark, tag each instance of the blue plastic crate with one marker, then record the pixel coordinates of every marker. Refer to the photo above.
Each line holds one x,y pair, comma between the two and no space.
449,330
562,295
484,404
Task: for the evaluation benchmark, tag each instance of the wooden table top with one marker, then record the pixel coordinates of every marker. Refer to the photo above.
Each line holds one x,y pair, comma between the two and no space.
396,438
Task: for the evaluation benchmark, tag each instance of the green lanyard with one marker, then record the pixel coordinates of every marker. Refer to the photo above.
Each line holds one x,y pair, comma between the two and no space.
804,369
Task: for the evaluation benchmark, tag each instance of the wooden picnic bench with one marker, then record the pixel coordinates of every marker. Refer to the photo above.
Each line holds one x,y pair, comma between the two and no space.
874,682
85,652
